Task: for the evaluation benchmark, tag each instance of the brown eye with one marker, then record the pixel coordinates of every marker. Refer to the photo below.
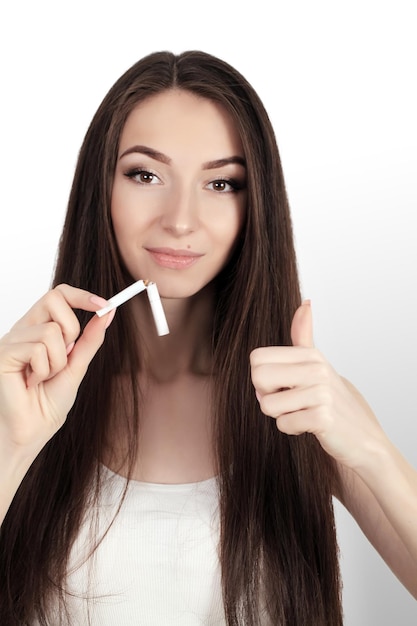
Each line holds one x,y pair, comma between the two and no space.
143,177
224,185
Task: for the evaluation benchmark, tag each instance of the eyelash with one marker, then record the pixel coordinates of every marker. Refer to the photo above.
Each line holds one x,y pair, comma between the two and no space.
132,174
235,184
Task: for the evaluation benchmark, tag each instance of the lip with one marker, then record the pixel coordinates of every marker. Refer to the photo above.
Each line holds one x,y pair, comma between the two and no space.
174,258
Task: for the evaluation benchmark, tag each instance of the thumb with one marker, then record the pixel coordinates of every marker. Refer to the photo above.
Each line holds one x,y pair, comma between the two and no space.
302,326
87,345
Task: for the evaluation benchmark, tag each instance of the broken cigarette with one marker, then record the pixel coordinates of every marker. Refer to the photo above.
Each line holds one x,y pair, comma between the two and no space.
154,300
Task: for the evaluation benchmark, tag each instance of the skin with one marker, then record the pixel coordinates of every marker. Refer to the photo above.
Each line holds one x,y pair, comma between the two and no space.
171,195
176,199
379,487
40,372
178,203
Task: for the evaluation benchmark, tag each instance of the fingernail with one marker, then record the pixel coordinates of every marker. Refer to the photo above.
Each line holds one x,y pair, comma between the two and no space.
70,347
306,302
101,302
110,317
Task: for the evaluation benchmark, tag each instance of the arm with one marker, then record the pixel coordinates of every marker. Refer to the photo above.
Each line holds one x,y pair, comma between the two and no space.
41,368
382,497
298,387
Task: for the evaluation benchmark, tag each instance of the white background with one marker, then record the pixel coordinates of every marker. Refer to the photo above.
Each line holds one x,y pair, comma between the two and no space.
339,82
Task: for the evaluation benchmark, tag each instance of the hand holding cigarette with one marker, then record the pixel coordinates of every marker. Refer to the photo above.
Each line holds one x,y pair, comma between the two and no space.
154,300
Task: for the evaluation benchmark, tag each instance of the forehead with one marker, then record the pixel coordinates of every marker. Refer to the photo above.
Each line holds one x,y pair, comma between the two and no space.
177,117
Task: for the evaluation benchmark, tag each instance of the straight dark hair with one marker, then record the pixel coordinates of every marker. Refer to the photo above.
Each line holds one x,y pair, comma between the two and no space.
278,546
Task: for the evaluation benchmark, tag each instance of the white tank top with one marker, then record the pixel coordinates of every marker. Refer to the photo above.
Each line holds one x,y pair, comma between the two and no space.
157,565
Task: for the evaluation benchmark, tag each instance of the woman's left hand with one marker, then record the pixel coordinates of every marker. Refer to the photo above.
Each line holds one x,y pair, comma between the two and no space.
297,387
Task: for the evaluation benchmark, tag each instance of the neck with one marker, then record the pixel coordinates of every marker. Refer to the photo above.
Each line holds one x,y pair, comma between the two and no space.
186,349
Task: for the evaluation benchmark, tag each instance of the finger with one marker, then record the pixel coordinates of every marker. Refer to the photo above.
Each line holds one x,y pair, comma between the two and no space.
271,377
30,359
282,354
57,305
302,326
50,335
39,367
268,378
315,420
87,345
293,400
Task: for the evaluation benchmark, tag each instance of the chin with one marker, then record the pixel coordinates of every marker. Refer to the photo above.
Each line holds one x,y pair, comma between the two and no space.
172,291
175,285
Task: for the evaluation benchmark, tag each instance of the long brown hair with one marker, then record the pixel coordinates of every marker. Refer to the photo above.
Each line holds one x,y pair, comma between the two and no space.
278,546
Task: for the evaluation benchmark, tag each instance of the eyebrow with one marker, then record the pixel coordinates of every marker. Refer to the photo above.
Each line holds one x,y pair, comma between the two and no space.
163,158
212,165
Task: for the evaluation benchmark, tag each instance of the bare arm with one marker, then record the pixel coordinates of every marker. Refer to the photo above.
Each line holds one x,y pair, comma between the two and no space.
298,388
41,368
12,472
382,497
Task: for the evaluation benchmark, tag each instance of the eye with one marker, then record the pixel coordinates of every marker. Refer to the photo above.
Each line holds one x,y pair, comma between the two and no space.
225,185
143,177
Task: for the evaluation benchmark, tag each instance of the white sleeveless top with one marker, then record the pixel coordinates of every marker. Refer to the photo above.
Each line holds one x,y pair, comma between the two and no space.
157,565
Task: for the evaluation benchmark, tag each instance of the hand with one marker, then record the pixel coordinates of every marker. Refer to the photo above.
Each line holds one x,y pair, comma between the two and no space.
299,388
41,367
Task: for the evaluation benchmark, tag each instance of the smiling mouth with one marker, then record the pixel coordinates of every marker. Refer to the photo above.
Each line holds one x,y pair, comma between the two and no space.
174,259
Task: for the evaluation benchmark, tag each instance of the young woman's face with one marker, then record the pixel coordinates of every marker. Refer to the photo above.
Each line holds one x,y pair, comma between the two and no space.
179,192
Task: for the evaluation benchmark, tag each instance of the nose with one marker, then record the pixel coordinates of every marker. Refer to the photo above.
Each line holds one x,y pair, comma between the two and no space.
180,214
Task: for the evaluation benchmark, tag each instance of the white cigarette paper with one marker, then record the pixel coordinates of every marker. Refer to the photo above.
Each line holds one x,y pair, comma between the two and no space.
157,310
154,300
122,296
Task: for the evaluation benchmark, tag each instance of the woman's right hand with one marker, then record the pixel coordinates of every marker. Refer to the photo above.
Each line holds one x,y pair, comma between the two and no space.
43,360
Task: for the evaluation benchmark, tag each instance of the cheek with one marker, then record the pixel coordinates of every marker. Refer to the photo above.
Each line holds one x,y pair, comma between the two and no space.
227,235
118,210
126,216
226,221
133,209
119,225
234,225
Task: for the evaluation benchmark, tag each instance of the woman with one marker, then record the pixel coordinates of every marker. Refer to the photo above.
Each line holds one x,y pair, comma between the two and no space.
226,516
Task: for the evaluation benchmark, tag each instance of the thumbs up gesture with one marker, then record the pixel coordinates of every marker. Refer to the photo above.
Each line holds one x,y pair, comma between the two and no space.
297,387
